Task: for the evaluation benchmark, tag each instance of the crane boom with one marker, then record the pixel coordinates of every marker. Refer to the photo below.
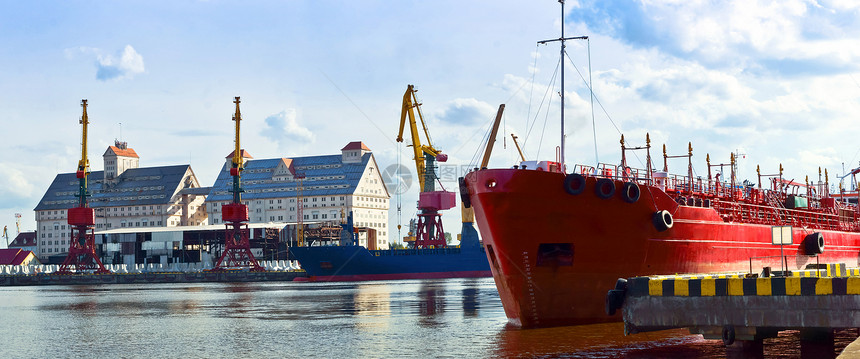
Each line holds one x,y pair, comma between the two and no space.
522,158
237,156
492,140
84,164
420,152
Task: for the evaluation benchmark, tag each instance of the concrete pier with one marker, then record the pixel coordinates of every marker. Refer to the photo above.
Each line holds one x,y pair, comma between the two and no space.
742,310
159,277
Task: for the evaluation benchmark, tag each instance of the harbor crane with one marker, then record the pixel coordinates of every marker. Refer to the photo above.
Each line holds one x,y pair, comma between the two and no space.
81,219
430,201
237,248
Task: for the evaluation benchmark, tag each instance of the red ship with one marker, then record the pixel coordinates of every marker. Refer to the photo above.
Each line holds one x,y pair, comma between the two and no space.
557,242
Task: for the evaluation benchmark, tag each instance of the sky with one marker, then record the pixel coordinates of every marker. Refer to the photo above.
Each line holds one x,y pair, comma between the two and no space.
776,81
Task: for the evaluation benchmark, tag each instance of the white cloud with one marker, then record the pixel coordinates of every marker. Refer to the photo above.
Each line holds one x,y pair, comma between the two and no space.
467,111
123,65
126,64
283,129
788,37
14,187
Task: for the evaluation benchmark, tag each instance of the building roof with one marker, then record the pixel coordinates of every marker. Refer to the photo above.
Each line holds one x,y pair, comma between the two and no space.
135,186
324,175
24,239
126,152
244,154
355,145
13,256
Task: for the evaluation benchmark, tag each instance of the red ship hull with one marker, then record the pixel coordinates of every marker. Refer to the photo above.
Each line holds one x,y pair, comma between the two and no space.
554,255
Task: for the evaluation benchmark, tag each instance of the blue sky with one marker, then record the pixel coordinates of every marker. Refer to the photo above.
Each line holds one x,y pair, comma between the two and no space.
777,80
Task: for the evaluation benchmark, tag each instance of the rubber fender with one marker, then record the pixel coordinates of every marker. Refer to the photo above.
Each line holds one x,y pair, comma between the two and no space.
814,244
662,220
614,301
728,335
464,193
621,284
605,188
574,184
630,192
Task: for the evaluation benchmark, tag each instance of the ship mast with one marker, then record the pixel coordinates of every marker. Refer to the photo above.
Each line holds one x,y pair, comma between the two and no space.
562,39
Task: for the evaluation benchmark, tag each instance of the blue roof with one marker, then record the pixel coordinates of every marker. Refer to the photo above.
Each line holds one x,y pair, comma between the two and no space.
136,186
324,175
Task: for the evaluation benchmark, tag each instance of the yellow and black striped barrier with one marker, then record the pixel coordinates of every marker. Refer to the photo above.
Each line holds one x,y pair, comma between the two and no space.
833,279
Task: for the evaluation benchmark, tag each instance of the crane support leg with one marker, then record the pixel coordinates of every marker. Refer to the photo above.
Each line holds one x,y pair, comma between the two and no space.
82,253
237,250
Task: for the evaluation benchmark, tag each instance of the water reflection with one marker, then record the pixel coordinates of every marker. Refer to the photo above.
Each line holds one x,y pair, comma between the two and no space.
372,300
431,302
432,318
470,302
587,341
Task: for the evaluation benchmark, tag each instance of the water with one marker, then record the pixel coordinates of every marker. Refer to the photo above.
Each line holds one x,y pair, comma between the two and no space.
453,318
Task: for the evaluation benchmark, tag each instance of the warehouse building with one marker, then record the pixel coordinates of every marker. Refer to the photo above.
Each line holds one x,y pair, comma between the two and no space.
331,187
123,196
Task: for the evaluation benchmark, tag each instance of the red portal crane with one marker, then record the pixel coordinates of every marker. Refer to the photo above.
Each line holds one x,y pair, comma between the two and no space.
82,250
237,248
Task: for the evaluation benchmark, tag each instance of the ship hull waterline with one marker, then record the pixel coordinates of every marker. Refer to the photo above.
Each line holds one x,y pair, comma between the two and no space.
357,263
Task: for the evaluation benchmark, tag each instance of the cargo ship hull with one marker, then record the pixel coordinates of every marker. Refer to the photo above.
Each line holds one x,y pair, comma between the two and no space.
554,255
357,263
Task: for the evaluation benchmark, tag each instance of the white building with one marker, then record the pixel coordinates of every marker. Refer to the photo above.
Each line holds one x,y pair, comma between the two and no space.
333,186
123,196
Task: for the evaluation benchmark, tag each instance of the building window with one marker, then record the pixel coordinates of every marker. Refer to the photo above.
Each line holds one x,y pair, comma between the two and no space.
324,216
306,216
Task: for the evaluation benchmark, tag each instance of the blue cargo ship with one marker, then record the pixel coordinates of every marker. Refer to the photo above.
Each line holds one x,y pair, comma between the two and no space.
357,263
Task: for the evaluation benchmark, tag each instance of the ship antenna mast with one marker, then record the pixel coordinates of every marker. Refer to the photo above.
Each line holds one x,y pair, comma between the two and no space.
562,39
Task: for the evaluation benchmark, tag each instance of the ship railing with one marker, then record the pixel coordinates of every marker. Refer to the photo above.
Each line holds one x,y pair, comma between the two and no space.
614,172
414,251
799,262
772,215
